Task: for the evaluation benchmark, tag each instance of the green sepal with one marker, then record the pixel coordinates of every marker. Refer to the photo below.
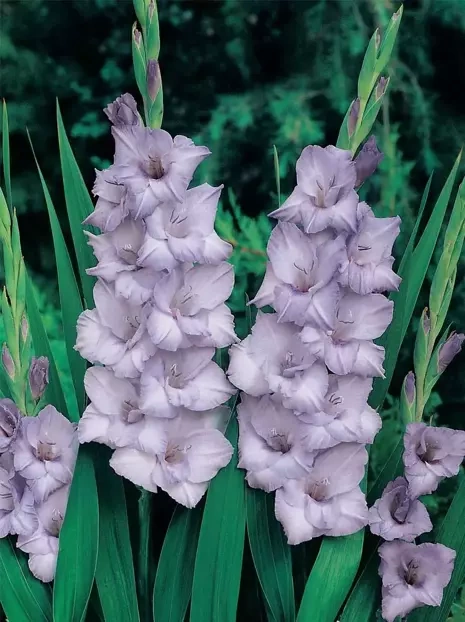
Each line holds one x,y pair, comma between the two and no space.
389,39
9,326
343,139
152,35
367,76
369,117
6,155
5,218
140,9
277,174
407,408
9,266
20,293
432,373
420,352
156,110
139,62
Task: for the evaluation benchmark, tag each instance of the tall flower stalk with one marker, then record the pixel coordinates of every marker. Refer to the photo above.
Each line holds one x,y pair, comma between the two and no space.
306,370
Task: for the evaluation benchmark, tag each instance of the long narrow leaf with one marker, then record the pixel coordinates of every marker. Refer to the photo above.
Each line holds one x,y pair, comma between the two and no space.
6,156
23,598
79,206
405,299
331,577
271,555
70,298
173,582
114,576
364,599
42,347
218,563
78,544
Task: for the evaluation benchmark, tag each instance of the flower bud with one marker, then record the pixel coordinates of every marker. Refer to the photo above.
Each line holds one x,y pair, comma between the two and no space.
137,37
153,78
449,350
381,87
353,116
24,328
10,418
38,376
410,387
8,362
123,111
426,322
367,161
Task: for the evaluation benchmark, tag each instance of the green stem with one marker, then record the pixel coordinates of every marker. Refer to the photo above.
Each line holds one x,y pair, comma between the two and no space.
145,557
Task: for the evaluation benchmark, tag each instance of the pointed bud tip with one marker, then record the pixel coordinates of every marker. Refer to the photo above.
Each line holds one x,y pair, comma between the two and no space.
381,87
410,387
38,376
449,350
8,362
153,78
426,321
353,116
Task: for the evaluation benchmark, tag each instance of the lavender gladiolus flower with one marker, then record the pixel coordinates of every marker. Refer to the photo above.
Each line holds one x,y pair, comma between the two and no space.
123,111
114,333
153,166
45,452
328,501
7,502
299,278
42,544
344,416
324,196
348,348
187,378
111,208
430,455
184,232
368,267
270,443
413,576
114,416
117,254
273,359
194,451
10,419
38,376
188,308
396,515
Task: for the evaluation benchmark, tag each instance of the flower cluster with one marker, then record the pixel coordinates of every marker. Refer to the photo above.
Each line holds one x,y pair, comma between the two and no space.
160,312
306,370
415,575
37,458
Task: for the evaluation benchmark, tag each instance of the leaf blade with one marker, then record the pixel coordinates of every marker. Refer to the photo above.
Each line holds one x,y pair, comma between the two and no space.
78,544
175,572
271,555
218,562
79,206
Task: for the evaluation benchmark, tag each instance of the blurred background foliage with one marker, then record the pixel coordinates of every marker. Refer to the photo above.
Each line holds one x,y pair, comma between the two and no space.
241,76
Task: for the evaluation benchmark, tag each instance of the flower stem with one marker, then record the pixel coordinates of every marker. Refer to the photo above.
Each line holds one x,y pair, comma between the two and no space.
145,557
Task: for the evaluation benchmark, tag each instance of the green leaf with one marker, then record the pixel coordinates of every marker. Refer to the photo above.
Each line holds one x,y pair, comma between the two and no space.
173,582
218,563
70,298
389,39
367,76
365,597
277,174
271,555
331,578
78,544
42,347
23,598
414,272
114,575
369,117
6,156
79,205
452,534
